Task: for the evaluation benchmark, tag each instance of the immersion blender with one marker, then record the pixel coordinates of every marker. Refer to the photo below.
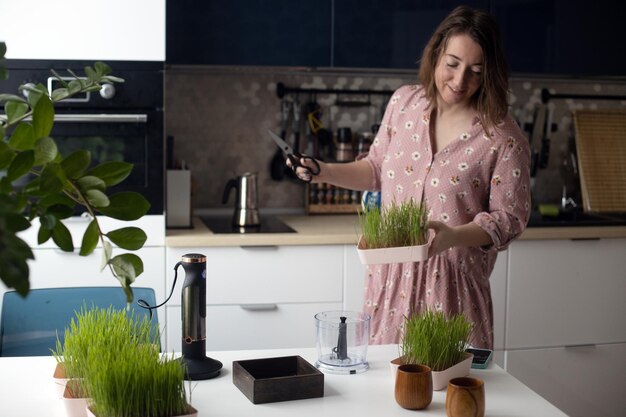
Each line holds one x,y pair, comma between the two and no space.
199,366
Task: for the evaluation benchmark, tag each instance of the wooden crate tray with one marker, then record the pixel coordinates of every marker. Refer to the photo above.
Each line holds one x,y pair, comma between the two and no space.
601,149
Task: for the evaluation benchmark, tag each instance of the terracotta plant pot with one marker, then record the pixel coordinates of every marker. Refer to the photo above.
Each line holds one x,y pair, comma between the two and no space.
414,387
441,378
60,379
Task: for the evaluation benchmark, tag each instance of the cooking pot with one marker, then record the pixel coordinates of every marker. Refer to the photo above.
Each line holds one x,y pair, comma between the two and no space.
246,210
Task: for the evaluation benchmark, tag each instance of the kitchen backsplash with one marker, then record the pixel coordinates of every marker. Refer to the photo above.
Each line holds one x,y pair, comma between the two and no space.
219,117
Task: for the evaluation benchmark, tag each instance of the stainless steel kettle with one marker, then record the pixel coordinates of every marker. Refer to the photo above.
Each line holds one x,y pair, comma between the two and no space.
246,210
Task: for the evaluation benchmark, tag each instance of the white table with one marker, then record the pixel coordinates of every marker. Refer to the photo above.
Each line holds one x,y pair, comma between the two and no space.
27,389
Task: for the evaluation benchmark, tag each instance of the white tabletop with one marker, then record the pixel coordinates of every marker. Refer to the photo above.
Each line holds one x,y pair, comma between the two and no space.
27,389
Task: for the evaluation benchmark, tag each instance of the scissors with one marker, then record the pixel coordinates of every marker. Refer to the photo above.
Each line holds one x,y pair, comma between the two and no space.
307,173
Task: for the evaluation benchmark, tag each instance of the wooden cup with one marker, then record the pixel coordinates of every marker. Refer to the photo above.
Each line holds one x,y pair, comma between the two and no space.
465,397
414,386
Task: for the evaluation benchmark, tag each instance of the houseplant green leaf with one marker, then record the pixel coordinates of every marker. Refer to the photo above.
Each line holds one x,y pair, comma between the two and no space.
40,183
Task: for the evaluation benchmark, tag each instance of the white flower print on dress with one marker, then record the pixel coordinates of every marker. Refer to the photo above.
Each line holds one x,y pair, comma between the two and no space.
442,197
493,150
455,180
444,217
461,194
496,180
425,118
415,156
463,166
386,158
434,182
465,136
376,141
399,189
391,174
418,184
395,98
402,110
517,172
415,137
408,170
444,162
469,150
398,154
408,124
438,306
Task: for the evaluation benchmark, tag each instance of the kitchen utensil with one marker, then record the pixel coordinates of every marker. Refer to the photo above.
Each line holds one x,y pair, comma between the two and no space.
246,211
277,164
294,157
342,339
193,303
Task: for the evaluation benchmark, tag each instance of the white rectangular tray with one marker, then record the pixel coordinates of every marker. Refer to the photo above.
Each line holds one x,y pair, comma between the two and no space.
391,255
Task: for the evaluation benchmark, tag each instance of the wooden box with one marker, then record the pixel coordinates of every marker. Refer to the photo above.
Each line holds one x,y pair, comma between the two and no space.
277,379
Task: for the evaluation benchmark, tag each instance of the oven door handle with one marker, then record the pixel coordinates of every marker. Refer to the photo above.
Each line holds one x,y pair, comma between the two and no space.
93,118
99,118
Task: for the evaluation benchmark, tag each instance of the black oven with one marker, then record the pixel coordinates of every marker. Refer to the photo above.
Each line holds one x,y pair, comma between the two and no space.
122,122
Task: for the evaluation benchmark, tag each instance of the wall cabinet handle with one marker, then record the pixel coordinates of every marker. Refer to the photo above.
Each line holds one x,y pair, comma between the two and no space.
581,346
259,307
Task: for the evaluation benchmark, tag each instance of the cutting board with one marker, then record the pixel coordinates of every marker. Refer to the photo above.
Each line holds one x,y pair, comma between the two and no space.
601,149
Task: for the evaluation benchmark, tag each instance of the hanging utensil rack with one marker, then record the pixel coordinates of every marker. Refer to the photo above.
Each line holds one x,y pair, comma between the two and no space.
282,90
546,96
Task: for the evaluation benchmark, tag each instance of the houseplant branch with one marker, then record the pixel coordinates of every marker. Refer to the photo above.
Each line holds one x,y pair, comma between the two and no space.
60,184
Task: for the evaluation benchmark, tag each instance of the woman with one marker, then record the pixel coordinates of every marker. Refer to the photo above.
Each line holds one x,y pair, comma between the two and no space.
451,142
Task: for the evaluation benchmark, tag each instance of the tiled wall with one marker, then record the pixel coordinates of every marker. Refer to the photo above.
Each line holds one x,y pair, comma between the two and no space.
219,117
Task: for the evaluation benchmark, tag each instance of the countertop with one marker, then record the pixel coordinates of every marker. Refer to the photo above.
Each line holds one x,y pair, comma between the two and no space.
343,230
27,389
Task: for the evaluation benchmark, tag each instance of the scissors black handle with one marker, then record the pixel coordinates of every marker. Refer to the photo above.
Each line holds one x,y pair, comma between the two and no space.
307,173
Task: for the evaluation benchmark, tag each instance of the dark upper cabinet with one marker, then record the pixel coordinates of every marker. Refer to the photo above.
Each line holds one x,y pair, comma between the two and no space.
563,37
248,32
387,33
547,37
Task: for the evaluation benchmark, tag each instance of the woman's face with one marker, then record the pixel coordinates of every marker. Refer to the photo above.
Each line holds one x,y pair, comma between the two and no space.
458,72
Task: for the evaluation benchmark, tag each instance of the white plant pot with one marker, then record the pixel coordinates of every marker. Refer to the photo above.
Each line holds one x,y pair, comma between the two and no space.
391,255
74,406
441,378
192,412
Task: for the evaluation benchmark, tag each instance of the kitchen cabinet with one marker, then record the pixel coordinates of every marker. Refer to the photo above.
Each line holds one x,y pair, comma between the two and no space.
261,296
565,332
551,37
245,32
387,34
541,37
73,29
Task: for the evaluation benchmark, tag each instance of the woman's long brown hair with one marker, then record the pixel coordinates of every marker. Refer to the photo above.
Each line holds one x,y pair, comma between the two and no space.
490,101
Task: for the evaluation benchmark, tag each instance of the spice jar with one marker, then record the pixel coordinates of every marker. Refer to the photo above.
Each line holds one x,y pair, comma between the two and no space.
344,152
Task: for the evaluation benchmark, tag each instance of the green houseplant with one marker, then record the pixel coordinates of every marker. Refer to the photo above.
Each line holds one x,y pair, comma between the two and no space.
438,341
401,227
114,360
37,182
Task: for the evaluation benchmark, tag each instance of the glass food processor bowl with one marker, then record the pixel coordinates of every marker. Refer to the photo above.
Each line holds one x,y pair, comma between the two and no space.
342,338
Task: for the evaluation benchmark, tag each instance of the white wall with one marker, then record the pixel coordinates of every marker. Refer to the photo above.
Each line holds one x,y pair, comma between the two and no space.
132,30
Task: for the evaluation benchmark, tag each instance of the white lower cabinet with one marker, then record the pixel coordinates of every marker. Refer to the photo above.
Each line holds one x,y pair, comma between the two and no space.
260,297
582,381
565,327
264,326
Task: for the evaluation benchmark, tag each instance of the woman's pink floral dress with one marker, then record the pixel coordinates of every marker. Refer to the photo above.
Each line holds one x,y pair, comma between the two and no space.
480,177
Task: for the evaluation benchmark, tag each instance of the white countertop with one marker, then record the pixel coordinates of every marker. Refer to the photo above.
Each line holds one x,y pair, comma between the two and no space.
27,389
343,229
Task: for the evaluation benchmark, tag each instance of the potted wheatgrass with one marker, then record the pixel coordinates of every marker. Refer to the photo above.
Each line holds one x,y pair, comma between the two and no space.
393,234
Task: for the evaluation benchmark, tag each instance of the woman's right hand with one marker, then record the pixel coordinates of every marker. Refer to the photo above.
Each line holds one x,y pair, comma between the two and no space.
308,163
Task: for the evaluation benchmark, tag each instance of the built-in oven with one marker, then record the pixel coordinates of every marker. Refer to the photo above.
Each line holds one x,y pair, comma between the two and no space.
122,122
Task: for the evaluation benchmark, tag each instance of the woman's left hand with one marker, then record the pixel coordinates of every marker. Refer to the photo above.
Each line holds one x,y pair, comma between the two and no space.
443,239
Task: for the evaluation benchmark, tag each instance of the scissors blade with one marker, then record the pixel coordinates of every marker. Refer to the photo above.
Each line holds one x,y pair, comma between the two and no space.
281,143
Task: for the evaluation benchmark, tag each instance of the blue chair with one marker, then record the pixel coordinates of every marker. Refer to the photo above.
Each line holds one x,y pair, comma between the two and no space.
30,326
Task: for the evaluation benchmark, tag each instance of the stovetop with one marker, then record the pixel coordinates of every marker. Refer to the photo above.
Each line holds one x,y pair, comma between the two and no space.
223,224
